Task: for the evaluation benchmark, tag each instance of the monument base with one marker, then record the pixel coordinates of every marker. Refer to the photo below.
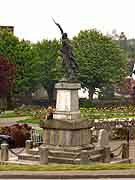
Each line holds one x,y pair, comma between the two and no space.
66,133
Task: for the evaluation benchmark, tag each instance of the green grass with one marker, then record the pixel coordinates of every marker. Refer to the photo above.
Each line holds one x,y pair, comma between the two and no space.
86,113
29,121
10,115
37,121
66,167
104,116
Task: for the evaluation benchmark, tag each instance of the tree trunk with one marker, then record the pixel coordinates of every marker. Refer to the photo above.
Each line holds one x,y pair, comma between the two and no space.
9,101
28,97
91,93
3,103
50,92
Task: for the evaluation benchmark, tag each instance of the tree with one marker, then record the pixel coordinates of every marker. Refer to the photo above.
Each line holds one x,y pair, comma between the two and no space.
7,77
26,79
123,41
21,54
47,65
131,48
8,44
100,59
128,45
7,49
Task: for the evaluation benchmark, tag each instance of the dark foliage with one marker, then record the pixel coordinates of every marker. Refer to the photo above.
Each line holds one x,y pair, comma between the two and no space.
20,133
7,76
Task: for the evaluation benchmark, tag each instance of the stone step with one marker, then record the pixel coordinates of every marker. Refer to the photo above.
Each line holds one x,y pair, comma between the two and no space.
34,151
30,157
20,162
73,149
56,153
58,159
96,158
54,159
121,161
64,154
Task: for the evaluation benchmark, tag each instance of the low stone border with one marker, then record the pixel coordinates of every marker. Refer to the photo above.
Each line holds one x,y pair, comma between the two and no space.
67,175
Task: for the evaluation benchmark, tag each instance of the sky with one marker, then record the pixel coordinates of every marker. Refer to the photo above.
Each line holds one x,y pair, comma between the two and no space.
32,19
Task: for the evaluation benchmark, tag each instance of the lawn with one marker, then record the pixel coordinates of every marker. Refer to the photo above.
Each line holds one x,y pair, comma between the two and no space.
66,167
29,121
86,113
15,114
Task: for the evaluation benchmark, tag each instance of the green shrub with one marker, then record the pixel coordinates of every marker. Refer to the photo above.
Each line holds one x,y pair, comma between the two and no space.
86,104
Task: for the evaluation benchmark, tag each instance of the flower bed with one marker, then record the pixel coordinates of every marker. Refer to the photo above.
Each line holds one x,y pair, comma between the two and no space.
107,113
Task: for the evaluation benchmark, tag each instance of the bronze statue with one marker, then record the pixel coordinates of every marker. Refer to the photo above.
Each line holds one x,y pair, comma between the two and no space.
68,63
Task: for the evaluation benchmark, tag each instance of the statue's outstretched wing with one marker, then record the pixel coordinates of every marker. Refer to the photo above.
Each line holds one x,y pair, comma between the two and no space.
61,30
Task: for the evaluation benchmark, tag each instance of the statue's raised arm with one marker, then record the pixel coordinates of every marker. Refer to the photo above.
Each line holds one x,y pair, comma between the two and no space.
61,30
69,63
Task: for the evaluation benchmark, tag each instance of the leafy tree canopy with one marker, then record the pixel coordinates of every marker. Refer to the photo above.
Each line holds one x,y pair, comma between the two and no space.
100,59
7,76
47,64
20,53
26,79
8,44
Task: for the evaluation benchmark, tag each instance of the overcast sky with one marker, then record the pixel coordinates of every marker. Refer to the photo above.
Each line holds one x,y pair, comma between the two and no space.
32,18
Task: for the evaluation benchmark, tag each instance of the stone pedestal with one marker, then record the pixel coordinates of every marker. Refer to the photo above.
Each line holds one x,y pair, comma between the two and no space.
67,129
66,135
67,101
75,134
